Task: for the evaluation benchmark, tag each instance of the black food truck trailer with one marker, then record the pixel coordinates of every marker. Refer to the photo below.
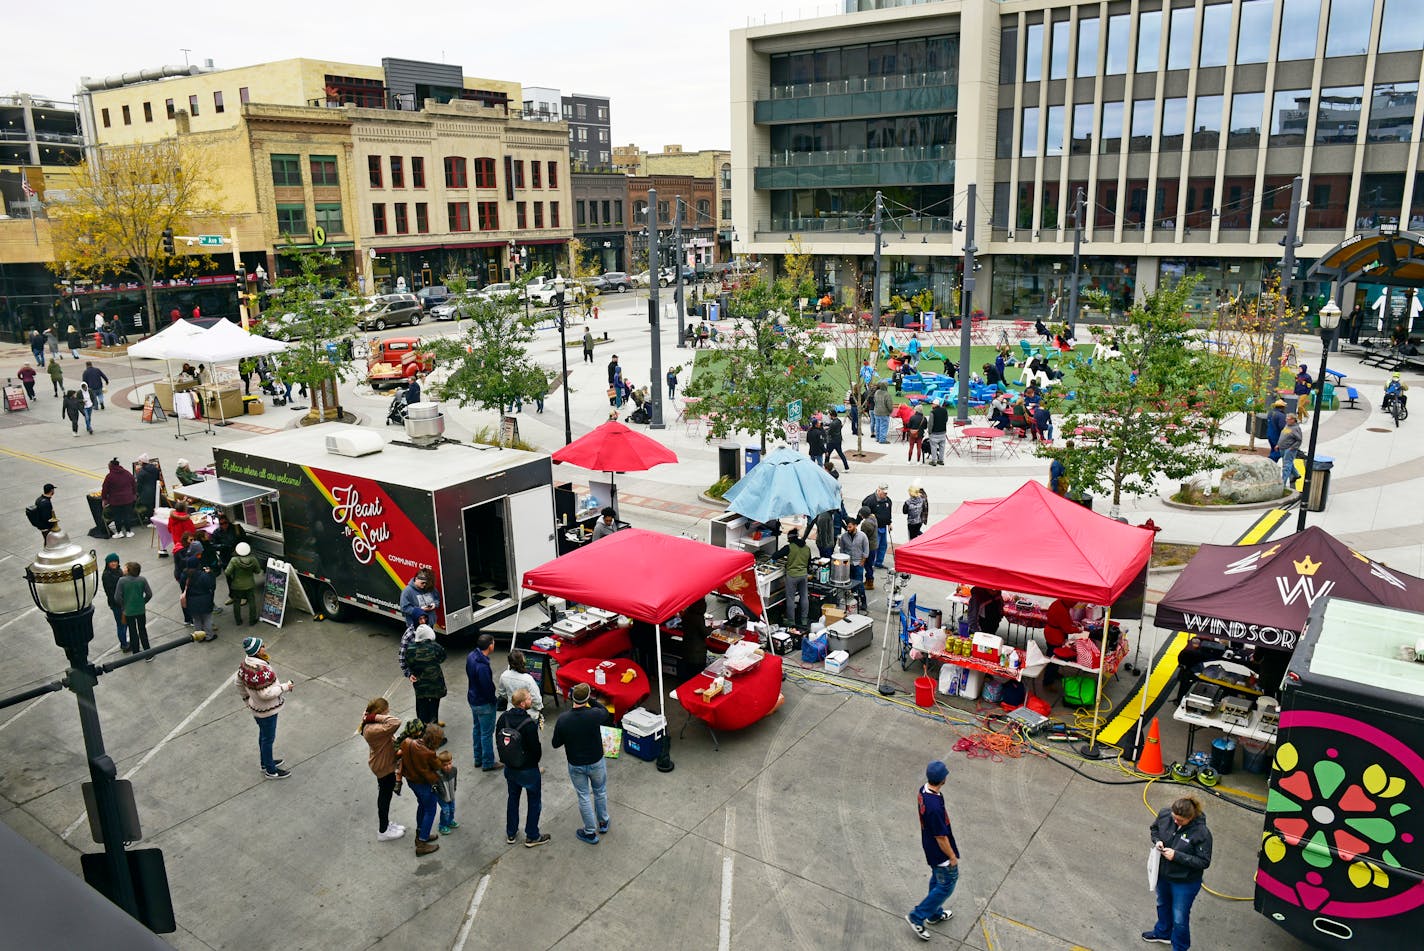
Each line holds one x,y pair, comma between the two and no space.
357,516
1341,863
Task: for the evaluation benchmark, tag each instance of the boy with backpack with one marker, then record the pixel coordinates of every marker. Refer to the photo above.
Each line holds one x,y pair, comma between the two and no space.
42,511
516,740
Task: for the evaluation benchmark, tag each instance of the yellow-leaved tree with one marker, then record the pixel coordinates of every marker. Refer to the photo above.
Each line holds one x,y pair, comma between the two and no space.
111,223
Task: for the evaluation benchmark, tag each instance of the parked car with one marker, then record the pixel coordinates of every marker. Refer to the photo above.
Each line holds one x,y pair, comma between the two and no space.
432,295
667,276
544,292
395,360
617,281
640,279
595,285
491,291
447,311
388,310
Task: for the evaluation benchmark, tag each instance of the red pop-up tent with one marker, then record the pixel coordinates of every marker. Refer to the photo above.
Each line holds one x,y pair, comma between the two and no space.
645,575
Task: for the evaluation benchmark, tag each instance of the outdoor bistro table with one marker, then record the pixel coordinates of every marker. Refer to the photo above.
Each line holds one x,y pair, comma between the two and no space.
754,695
621,696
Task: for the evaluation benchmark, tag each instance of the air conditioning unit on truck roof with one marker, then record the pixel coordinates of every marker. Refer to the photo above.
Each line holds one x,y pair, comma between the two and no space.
355,442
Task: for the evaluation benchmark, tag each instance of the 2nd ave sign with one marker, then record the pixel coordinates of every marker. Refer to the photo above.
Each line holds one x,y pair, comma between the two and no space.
210,239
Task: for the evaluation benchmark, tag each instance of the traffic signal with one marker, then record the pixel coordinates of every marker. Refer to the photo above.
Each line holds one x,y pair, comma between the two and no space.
168,247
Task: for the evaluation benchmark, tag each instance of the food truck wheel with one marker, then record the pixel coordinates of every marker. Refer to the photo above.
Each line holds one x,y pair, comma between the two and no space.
333,607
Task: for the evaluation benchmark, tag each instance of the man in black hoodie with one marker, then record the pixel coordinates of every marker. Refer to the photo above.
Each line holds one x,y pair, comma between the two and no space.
516,740
577,731
112,573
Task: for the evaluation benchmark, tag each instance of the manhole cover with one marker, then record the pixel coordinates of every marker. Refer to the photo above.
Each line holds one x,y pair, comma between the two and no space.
1377,429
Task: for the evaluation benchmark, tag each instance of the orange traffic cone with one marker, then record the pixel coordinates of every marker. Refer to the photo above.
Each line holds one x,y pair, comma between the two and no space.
1150,762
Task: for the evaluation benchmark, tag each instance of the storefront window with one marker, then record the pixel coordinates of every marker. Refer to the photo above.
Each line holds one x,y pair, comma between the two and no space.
1033,54
1119,28
1221,280
1348,33
1337,115
1206,124
1179,46
1029,286
1216,27
1300,21
1245,128
1290,111
1403,28
1392,112
1087,47
1111,136
1149,40
1253,38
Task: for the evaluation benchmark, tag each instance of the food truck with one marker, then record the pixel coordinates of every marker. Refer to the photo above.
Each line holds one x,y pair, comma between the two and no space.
357,514
1342,853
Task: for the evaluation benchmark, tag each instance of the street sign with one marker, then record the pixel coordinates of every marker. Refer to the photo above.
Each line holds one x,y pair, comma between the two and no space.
793,411
208,240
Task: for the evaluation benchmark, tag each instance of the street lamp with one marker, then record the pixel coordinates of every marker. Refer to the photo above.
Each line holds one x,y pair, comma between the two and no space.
1329,320
559,285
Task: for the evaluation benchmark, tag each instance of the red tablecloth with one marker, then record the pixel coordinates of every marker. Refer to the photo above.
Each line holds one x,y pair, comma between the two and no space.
983,666
609,643
983,432
754,695
623,697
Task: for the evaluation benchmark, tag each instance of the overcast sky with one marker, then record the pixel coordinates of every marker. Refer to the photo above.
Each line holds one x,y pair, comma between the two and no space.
663,62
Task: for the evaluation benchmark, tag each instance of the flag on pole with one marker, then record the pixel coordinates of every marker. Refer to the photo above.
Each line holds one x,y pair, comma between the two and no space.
25,184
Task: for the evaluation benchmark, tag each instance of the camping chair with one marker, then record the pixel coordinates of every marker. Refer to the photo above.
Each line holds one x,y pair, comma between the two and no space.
1027,349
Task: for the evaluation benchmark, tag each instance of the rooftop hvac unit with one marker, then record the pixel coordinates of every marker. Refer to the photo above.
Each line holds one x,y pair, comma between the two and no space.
355,442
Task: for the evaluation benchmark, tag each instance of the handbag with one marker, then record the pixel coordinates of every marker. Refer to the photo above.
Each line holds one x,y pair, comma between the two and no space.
1154,865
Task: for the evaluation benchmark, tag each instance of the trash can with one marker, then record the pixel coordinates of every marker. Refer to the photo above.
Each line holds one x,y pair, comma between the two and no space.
1319,483
96,511
1256,425
729,459
753,455
1255,756
1223,755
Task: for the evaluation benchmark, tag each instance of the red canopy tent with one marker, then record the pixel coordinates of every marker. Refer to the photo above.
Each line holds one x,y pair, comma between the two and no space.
645,575
1035,542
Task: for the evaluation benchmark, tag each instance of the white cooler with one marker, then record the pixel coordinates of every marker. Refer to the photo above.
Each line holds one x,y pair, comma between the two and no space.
971,684
850,635
643,733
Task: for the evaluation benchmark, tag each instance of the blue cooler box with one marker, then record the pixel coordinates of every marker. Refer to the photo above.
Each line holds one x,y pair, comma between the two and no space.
643,733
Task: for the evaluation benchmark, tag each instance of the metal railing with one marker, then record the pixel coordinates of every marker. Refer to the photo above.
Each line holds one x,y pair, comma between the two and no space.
855,225
790,159
837,87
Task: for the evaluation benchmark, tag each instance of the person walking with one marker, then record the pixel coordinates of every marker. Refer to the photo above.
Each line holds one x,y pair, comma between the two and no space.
56,375
798,568
428,677
816,441
378,728
939,432
1288,444
27,377
882,404
481,698
118,494
915,428
671,384
879,503
199,597
587,345
520,752
941,852
1304,383
52,342
72,406
73,340
853,543
133,593
420,766
835,439
916,509
517,675
111,577
1183,844
96,379
264,695
1275,425
43,517
37,346
241,575
87,407
579,733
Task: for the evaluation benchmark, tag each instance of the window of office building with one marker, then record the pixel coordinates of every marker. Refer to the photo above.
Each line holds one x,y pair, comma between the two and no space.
1082,140
1024,213
243,96
553,214
1179,40
148,112
1199,202
417,171
999,213
610,220
373,170
536,175
458,214
1300,21
397,171
485,172
217,100
1008,54
489,215
1004,134
193,105
1237,199
726,209
521,215
1253,38
378,217
1033,53
538,214
323,171
1143,119
402,218
1216,28
1087,47
128,116
455,176
286,171
1392,112
1149,40
1328,196
1058,55
1119,28
519,171
168,104
663,211
1028,144
553,174
1110,139
291,218
422,218
1048,210
1054,144
1174,125
328,216
1245,128
1104,208
1206,123
1348,32
580,216
1403,27
1381,197
1337,115
1290,113
104,117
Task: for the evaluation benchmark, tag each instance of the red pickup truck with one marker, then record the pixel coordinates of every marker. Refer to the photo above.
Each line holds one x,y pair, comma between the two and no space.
394,360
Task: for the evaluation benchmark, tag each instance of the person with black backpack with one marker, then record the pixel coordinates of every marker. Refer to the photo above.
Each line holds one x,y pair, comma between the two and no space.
516,740
42,512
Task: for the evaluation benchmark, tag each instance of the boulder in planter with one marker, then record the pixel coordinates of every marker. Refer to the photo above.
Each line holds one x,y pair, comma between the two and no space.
1251,480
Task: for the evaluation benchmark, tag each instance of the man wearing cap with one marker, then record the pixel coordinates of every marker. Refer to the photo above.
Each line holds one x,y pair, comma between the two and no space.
1275,425
853,543
242,574
264,695
1304,383
879,504
578,732
941,852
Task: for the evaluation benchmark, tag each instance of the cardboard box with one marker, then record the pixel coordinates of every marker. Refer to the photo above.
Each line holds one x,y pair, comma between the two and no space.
254,407
836,661
831,613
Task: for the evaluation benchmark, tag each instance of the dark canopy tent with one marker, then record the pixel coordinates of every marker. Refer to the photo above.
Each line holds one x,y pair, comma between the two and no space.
1261,594
645,575
1384,256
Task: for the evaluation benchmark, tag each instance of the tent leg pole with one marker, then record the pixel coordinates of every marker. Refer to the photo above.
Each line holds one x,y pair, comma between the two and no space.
518,610
886,690
665,763
1091,750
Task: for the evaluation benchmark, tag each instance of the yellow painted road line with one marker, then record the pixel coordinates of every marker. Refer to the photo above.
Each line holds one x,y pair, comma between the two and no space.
41,460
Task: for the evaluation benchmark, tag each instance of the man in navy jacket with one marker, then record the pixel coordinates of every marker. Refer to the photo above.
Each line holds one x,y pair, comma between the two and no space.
481,698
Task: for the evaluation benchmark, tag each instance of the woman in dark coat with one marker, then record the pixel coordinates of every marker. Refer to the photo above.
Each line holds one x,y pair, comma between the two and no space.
1183,842
424,658
816,441
199,587
71,409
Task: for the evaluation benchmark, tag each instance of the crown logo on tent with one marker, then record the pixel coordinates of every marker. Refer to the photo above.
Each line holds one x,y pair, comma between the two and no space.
1307,567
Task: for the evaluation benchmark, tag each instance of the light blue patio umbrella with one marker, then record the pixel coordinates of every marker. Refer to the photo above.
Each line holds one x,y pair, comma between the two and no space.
783,484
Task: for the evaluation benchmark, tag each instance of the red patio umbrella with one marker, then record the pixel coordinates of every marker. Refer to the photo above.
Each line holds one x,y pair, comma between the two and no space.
614,447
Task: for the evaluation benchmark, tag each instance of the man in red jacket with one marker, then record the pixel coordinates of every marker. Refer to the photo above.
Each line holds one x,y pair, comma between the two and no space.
118,493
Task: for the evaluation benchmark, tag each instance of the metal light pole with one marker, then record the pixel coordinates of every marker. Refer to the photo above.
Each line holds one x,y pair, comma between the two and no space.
679,296
1278,338
966,311
1078,202
875,273
559,287
655,386
1329,320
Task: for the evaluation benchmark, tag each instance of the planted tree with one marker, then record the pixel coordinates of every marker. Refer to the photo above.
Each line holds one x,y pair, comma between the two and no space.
1141,415
772,357
1244,333
316,316
111,223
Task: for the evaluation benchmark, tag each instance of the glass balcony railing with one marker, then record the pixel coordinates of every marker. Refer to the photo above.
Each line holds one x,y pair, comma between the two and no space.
859,84
843,223
853,173
790,159
836,104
